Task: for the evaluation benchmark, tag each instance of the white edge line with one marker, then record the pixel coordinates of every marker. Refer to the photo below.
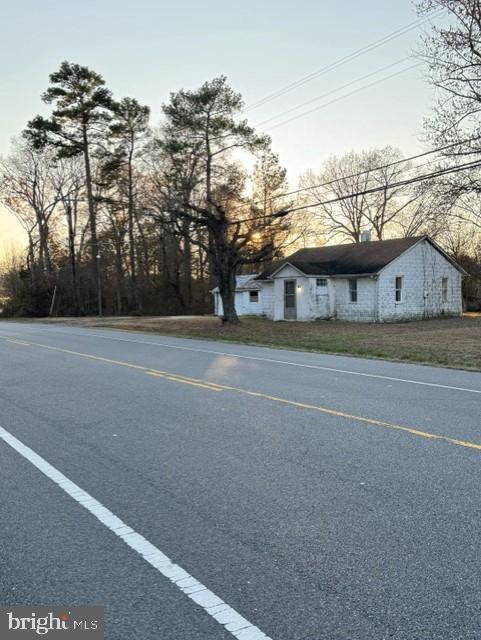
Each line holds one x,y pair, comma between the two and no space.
225,615
285,362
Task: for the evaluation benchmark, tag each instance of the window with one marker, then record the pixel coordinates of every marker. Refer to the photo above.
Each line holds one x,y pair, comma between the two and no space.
444,289
399,289
321,282
353,290
253,296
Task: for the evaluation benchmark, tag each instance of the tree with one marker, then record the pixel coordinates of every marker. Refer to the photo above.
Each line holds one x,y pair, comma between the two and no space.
158,218
269,182
345,209
68,180
26,189
128,132
452,54
427,214
201,142
77,126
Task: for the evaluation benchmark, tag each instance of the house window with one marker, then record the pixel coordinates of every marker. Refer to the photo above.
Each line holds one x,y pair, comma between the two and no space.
399,289
353,290
444,289
321,282
253,296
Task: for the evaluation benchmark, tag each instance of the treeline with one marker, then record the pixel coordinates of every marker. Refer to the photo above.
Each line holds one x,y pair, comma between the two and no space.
124,217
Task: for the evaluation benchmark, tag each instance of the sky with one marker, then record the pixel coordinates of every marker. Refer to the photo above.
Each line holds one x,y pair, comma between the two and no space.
149,48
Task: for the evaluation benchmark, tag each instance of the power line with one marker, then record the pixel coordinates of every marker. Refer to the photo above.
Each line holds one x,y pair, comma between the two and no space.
370,170
346,95
441,172
328,93
381,167
345,59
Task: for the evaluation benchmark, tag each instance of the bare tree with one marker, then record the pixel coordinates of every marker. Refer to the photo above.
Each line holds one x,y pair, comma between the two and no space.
347,218
452,53
26,189
69,183
459,240
128,133
346,210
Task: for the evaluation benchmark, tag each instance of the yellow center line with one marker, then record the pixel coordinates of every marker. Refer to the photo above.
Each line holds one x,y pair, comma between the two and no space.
191,381
157,374
212,386
204,385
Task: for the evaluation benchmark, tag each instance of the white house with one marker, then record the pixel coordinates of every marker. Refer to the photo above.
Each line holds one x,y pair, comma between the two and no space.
381,281
248,297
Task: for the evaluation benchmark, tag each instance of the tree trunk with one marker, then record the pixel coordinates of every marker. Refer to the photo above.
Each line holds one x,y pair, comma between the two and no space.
187,267
119,274
133,269
72,258
172,273
201,277
92,221
144,263
227,292
31,260
224,264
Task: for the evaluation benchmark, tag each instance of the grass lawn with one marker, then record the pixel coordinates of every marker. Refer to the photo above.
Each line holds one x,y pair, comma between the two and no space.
453,342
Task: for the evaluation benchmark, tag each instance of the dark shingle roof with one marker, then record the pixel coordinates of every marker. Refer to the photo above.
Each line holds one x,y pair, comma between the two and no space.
345,259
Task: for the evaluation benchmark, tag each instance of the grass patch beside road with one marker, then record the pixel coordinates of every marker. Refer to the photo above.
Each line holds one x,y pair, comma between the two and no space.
453,342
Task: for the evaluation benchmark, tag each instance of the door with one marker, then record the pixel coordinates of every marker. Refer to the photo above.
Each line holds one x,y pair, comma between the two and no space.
290,307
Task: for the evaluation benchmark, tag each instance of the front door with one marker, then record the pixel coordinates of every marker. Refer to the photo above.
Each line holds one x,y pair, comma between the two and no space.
290,307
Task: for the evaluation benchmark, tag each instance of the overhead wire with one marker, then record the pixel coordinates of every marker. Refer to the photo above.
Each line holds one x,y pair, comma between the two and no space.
346,95
377,168
328,93
445,171
344,60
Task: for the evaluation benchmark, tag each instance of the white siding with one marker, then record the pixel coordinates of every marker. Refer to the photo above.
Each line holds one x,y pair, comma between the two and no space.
242,304
324,298
312,302
267,298
246,307
365,309
304,298
422,269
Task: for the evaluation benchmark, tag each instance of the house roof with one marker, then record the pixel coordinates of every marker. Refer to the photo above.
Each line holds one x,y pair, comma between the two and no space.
244,283
363,258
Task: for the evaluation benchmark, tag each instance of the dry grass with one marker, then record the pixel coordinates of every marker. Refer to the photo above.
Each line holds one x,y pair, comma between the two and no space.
454,342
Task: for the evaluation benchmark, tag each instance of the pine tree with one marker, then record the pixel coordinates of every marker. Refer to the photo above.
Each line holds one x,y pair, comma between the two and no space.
77,126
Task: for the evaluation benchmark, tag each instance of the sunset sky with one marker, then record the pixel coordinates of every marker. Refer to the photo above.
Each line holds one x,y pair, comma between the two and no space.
149,48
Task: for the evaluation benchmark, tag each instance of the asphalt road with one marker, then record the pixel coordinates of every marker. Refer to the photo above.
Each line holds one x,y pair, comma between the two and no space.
318,497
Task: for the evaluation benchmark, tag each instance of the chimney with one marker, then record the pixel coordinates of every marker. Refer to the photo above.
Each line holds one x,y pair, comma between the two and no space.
365,236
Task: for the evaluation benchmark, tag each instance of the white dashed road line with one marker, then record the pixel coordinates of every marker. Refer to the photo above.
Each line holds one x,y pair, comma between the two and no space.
225,615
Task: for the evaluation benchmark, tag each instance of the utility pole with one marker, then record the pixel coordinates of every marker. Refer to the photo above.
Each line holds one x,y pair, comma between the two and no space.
99,286
52,304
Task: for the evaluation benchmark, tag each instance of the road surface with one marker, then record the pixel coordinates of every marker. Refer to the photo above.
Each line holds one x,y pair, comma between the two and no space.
202,490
